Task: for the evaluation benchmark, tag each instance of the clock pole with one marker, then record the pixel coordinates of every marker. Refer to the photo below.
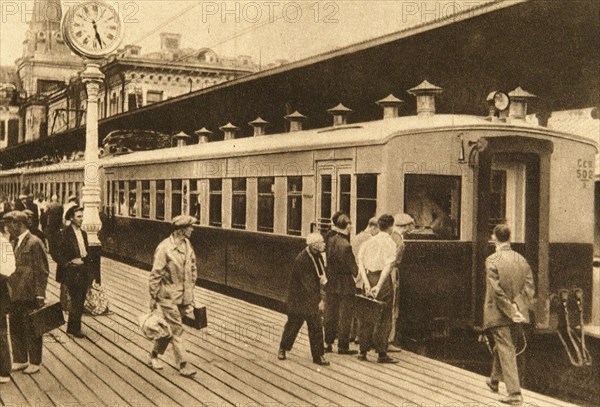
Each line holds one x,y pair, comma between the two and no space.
92,78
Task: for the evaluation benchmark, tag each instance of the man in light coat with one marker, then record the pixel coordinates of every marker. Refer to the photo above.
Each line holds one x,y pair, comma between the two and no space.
509,293
172,281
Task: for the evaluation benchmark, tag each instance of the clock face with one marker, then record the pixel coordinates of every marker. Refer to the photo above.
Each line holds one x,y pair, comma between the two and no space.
93,29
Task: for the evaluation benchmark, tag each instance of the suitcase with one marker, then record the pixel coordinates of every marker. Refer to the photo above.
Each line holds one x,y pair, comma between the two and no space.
199,321
367,308
45,319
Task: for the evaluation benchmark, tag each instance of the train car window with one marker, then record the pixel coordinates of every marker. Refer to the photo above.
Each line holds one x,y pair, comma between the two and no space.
366,199
122,205
497,199
176,196
294,206
160,200
325,201
266,204
132,199
216,201
2,130
146,199
114,198
195,197
345,193
238,203
434,202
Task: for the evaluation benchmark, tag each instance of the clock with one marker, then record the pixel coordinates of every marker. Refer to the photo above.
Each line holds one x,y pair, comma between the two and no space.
92,29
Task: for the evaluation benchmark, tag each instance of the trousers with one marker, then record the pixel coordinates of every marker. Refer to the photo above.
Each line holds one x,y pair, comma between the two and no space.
5,363
173,314
315,333
375,334
339,310
504,364
25,346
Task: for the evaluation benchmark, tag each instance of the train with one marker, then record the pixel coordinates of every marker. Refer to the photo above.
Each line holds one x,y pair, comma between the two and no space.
457,175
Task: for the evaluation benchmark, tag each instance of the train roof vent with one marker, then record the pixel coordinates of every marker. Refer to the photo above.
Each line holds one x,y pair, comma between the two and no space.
296,119
391,106
203,135
518,103
259,126
340,114
182,139
425,93
230,131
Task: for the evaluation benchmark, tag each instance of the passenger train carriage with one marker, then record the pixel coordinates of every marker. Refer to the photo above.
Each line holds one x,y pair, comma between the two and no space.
458,176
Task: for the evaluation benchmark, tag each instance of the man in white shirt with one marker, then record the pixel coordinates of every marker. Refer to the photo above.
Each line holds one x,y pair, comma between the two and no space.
376,258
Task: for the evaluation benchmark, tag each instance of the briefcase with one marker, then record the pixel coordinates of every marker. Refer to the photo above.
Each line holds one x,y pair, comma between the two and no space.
367,309
45,319
199,321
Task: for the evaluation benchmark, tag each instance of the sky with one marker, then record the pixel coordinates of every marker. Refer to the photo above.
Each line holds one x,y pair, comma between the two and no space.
266,30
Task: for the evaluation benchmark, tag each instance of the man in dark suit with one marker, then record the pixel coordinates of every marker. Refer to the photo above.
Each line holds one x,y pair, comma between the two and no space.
304,299
72,269
54,222
509,293
27,287
29,204
7,268
340,288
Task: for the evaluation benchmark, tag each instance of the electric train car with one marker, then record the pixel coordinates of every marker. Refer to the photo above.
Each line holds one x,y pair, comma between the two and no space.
457,175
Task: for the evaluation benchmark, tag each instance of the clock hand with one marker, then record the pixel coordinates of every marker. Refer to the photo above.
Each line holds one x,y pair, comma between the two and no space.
97,34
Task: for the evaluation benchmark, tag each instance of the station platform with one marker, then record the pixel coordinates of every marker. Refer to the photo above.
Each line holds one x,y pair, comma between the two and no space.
236,359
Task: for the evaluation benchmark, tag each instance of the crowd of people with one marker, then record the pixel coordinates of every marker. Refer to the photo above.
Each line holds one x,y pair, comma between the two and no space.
325,278
29,231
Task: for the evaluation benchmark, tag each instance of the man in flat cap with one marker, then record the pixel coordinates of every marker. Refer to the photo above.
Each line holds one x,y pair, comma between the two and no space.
403,223
304,298
73,270
172,281
27,287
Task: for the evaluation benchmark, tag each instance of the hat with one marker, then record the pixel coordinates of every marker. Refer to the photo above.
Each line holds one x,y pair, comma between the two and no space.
16,216
403,219
28,212
314,238
183,221
71,211
72,198
22,196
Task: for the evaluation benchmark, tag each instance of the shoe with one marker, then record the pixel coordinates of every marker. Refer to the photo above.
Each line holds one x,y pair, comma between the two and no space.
4,379
328,348
394,348
347,352
362,357
386,359
31,369
155,364
281,354
515,399
79,335
492,384
187,371
19,366
321,361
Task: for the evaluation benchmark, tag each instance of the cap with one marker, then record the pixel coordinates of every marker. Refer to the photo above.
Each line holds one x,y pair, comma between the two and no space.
28,212
16,216
183,221
72,198
71,211
22,196
403,219
314,238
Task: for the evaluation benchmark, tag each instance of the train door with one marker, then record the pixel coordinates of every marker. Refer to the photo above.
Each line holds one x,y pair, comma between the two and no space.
511,186
334,191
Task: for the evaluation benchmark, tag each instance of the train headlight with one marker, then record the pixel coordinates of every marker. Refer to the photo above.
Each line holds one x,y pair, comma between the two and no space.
498,100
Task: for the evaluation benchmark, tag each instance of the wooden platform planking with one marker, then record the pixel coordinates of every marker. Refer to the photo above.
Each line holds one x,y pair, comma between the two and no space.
236,362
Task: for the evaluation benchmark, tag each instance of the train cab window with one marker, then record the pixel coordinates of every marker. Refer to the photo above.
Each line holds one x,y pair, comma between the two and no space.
497,198
366,199
160,200
132,199
294,206
238,203
215,203
344,190
266,204
122,201
114,197
326,187
195,197
434,202
146,199
176,196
